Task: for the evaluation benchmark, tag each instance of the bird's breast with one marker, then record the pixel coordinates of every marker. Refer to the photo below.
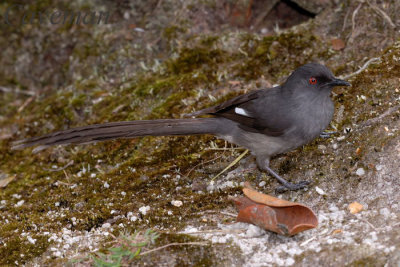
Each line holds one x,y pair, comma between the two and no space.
311,119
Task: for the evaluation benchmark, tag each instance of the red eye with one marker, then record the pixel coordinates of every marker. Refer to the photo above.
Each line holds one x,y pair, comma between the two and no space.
312,80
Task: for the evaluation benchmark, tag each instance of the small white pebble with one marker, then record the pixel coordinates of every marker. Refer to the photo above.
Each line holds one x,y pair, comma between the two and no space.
289,262
320,191
20,203
31,240
106,185
262,183
143,210
333,208
360,172
138,29
57,204
106,225
385,212
176,203
379,167
335,146
341,138
133,219
254,231
92,175
73,186
123,193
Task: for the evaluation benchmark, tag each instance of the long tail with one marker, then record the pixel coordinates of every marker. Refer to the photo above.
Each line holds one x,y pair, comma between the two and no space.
123,129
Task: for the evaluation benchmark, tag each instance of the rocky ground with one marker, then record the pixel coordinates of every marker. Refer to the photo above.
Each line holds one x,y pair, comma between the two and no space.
160,59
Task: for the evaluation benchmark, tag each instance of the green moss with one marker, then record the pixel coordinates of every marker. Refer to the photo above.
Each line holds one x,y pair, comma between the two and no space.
293,49
191,59
192,255
366,262
172,32
19,250
208,41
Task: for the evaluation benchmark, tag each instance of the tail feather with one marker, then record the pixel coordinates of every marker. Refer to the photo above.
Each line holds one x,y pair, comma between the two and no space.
124,129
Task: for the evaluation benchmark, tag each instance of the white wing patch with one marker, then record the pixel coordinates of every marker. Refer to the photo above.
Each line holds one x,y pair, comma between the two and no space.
242,112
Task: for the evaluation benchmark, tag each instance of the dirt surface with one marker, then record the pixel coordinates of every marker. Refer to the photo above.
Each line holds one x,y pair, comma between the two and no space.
161,59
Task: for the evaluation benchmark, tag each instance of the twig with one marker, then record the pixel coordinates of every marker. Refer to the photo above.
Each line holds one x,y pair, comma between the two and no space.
17,91
361,69
383,14
62,183
26,103
345,20
175,244
201,163
367,222
380,117
228,231
231,164
66,175
353,22
229,214
61,168
307,241
224,148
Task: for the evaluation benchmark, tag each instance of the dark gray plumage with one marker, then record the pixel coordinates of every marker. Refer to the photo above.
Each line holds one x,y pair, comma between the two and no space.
267,121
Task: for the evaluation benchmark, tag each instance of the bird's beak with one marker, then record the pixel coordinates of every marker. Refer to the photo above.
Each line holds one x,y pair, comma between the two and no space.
339,82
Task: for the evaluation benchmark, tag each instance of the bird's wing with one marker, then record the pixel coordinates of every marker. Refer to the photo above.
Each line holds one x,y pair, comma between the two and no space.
233,102
255,111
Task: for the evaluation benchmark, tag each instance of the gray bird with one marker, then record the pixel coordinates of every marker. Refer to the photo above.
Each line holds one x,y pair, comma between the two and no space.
268,121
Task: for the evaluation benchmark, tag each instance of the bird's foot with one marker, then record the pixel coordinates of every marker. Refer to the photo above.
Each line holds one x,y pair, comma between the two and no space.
292,187
326,134
285,184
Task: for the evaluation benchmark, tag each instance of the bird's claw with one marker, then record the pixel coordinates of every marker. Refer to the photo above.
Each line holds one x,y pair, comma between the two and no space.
326,134
292,187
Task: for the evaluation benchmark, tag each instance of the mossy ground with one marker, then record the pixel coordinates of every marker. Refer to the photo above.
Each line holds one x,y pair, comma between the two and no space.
94,75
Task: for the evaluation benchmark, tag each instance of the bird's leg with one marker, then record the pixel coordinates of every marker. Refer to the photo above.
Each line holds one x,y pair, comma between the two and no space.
327,134
285,184
263,164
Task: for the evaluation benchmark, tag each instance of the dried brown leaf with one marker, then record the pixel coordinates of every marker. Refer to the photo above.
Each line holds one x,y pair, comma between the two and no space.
274,214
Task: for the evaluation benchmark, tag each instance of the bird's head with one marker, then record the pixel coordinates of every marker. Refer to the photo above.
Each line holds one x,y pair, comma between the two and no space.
313,77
